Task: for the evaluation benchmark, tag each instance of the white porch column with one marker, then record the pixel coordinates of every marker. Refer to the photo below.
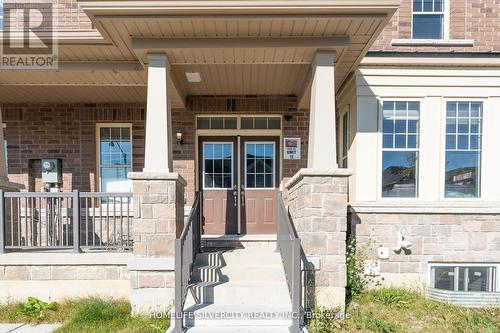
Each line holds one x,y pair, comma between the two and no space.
322,153
158,152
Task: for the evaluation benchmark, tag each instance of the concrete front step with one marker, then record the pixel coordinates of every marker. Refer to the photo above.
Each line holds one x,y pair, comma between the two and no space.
245,257
238,293
239,241
270,273
209,315
261,329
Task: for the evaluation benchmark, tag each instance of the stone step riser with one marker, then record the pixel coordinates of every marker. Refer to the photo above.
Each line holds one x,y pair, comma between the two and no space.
237,274
236,322
275,294
237,259
238,244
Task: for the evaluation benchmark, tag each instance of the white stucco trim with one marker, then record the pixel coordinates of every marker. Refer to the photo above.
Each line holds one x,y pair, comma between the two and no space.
430,207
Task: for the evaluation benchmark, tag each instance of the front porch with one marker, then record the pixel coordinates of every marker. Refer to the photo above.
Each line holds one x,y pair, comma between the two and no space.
161,66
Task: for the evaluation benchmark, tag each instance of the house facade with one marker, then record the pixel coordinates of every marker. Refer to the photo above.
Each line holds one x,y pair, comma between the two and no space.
167,119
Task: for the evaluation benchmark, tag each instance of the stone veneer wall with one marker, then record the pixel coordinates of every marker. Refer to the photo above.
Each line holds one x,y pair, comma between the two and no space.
57,282
438,237
317,203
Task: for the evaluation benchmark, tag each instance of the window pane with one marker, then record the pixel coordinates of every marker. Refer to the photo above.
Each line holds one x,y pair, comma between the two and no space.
259,165
203,123
217,123
463,150
115,179
438,5
417,5
428,26
115,158
388,141
399,174
428,5
218,165
260,123
444,278
230,123
246,123
274,123
479,279
462,174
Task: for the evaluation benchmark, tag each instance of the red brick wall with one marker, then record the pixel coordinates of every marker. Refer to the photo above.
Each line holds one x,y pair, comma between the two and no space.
469,19
69,15
68,132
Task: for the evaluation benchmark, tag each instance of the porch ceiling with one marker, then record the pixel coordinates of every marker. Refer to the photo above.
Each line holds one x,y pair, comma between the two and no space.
239,47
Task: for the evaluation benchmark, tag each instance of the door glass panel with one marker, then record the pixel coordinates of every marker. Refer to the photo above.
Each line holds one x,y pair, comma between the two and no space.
218,165
260,165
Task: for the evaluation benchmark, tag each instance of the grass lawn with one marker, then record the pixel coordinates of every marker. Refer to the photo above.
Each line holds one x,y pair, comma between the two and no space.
397,310
84,315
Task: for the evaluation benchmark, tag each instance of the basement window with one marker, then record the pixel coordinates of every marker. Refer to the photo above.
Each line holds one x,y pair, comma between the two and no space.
464,277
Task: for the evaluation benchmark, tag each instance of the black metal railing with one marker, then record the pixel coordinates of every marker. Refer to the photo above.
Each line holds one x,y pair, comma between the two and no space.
187,246
288,244
65,220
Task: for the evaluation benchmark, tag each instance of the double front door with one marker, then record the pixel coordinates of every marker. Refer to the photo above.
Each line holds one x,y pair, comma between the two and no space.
239,179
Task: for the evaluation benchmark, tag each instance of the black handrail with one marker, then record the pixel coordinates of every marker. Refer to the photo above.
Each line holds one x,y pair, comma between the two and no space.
187,246
288,244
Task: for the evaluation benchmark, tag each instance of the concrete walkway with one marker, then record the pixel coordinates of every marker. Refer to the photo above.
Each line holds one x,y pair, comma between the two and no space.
27,328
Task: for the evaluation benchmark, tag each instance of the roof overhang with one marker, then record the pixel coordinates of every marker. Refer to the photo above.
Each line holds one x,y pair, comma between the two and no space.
238,47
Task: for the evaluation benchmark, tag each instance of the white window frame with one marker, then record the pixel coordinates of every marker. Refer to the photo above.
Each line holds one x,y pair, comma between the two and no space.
381,149
203,166
432,266
446,20
98,147
245,164
482,184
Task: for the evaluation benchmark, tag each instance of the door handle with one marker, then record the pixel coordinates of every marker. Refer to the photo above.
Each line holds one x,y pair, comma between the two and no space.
235,195
242,195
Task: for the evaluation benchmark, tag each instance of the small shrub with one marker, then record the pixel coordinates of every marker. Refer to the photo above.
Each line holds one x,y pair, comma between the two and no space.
357,280
36,309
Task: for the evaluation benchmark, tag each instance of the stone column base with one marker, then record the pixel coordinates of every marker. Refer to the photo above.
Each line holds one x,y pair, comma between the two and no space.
158,219
152,283
317,201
